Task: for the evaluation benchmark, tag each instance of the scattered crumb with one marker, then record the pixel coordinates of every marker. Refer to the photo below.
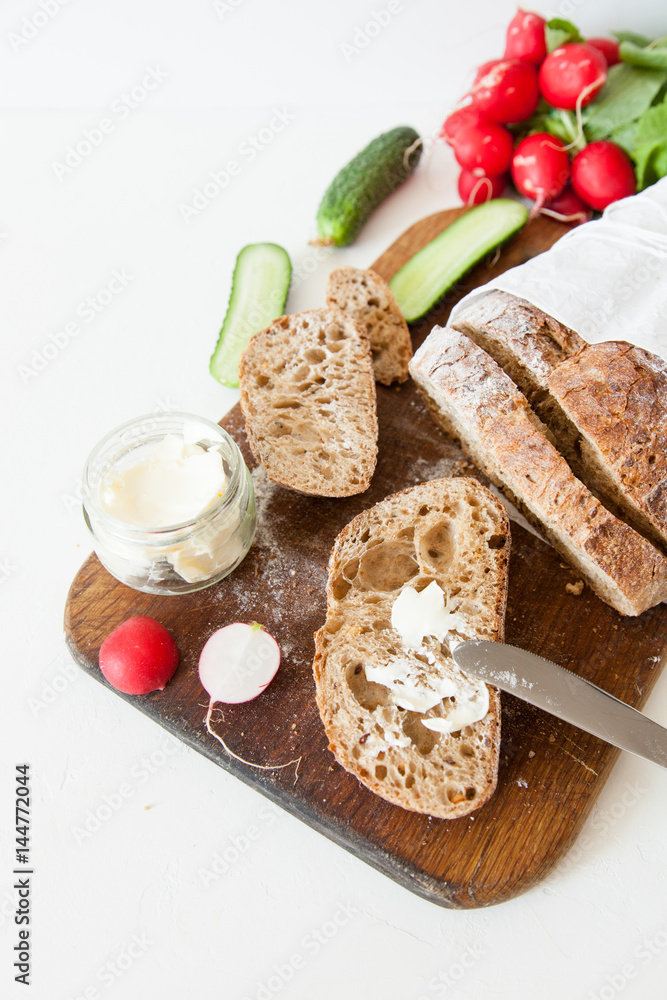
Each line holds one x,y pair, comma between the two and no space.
552,738
531,753
563,565
146,808
522,783
575,588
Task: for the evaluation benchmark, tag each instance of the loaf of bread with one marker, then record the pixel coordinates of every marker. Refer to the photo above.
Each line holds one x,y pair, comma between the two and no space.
474,400
605,404
453,532
367,298
308,396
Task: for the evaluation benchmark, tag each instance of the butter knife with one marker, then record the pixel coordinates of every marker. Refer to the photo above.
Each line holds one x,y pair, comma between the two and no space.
562,693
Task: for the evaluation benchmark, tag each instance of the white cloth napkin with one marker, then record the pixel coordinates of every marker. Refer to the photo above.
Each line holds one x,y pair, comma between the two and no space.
606,279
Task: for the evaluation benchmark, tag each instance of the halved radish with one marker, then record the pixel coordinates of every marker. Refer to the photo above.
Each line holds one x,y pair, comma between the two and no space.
238,662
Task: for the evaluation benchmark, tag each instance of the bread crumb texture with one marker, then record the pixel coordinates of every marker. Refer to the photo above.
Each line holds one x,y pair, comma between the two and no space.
308,396
456,533
368,299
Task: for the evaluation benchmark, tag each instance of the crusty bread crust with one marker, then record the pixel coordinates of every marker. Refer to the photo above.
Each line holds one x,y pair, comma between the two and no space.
308,396
605,404
474,400
526,342
456,533
615,397
368,299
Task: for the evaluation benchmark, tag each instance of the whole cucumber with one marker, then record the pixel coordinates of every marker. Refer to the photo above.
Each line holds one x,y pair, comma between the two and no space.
365,182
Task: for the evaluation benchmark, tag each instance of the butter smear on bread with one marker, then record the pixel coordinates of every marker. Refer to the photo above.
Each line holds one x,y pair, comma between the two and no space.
417,615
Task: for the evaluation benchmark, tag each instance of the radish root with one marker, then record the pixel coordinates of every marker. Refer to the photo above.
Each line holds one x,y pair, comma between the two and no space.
579,137
409,151
261,767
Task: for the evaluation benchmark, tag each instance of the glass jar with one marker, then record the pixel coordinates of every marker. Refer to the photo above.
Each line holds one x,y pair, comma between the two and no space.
178,558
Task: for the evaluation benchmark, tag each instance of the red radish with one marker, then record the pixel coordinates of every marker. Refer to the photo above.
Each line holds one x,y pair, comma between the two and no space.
540,167
526,37
484,69
509,92
567,207
139,656
484,149
602,173
474,190
238,662
573,75
459,119
609,48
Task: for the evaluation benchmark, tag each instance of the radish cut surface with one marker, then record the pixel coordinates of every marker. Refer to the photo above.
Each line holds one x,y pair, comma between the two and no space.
238,662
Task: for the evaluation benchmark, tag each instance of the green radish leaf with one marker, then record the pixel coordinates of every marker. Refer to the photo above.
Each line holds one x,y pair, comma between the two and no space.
653,58
625,136
653,124
650,163
650,150
559,32
632,36
627,94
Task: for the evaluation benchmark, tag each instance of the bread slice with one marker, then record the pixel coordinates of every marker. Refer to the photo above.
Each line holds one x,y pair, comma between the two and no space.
308,397
613,401
454,532
605,404
474,400
526,342
367,298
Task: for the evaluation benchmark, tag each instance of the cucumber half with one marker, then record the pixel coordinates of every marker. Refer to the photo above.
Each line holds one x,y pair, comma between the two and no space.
434,269
260,284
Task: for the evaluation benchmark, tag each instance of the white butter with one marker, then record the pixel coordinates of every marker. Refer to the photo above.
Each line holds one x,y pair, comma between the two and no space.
417,614
167,483
411,687
472,704
419,686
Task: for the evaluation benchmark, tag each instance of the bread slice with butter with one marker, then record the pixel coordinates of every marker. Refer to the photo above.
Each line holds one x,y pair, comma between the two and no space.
395,707
308,396
369,300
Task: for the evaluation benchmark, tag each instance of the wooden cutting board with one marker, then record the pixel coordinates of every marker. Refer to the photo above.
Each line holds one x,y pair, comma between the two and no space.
550,772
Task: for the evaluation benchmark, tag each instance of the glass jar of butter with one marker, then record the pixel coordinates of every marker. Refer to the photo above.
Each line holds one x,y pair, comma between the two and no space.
169,502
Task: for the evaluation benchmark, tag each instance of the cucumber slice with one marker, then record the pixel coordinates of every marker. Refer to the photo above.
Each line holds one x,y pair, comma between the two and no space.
426,277
260,284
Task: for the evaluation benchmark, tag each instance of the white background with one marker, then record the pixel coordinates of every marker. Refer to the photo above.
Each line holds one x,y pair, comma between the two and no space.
132,892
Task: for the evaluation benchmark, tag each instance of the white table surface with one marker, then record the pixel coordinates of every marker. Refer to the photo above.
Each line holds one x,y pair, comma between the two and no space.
127,911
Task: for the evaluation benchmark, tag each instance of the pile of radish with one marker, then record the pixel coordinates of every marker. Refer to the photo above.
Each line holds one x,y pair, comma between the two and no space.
493,138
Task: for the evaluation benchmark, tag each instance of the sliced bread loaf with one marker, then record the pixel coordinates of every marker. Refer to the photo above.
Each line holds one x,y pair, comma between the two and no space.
605,404
613,401
453,532
367,298
308,397
474,400
525,341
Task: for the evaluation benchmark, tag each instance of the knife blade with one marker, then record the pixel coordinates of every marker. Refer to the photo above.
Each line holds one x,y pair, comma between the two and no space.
562,693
